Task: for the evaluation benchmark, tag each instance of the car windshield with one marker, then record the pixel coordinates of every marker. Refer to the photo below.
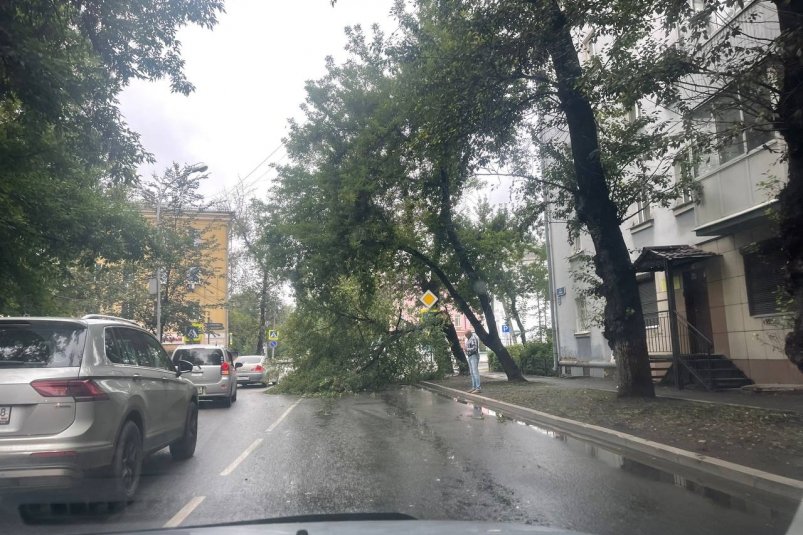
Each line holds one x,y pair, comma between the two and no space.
199,356
41,345
501,265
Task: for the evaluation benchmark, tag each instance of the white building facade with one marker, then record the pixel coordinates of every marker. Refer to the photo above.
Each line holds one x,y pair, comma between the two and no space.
709,267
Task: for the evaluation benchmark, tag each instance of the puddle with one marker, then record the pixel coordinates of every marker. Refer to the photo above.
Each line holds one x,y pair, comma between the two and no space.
751,501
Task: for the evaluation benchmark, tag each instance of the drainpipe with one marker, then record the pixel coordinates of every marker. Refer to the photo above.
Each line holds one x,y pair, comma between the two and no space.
553,306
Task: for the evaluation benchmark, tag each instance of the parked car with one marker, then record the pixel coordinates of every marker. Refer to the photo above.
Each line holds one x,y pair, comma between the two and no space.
214,371
252,370
82,402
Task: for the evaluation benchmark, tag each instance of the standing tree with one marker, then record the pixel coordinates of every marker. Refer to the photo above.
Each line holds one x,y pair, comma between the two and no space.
182,243
376,148
789,123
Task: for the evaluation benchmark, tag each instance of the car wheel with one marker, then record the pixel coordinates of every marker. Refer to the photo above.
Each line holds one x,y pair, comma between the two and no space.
234,397
127,464
184,448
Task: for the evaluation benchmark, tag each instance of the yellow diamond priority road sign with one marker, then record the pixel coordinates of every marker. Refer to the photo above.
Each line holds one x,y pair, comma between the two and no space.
429,299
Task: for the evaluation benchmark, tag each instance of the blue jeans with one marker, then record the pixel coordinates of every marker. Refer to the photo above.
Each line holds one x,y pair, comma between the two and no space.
474,368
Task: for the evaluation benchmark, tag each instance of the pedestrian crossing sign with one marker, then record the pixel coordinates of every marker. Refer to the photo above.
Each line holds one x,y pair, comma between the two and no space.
273,335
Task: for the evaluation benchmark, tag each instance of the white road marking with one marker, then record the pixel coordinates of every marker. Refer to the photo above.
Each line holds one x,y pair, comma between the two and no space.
185,511
283,416
229,469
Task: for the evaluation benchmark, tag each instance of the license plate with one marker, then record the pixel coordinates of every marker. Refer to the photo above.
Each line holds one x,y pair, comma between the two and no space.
5,415
201,390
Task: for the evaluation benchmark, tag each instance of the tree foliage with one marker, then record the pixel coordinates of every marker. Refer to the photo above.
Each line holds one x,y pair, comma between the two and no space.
65,150
351,342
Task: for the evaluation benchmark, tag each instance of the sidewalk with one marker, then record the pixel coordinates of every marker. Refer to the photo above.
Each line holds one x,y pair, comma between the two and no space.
789,402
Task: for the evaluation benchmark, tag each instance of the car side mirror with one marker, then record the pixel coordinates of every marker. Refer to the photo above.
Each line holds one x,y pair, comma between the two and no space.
184,366
238,365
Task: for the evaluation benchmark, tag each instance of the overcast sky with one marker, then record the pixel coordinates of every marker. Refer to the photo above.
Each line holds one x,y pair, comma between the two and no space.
249,73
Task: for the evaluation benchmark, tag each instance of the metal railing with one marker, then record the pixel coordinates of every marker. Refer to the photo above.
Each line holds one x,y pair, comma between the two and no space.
659,336
691,343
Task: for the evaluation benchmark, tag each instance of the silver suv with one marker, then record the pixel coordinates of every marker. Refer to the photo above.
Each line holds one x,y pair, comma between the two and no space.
214,371
86,398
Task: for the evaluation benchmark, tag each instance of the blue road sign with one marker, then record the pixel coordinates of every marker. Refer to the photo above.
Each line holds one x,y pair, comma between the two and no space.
273,343
505,328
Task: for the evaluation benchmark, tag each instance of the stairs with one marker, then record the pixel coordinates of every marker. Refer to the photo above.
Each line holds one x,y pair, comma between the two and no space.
659,366
713,372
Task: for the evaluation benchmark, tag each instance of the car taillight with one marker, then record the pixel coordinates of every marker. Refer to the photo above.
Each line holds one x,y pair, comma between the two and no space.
224,367
258,368
79,389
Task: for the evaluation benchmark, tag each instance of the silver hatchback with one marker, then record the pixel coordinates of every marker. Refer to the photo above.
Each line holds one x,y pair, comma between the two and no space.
214,372
86,398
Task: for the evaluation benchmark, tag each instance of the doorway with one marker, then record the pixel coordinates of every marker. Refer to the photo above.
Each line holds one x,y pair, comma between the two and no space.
698,313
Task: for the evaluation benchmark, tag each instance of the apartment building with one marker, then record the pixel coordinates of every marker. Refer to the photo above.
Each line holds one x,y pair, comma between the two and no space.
709,267
212,230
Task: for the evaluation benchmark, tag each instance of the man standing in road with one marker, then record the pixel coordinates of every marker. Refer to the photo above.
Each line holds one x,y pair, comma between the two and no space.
473,355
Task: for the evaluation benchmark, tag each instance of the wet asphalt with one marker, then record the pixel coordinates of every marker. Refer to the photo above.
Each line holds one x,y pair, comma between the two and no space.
408,451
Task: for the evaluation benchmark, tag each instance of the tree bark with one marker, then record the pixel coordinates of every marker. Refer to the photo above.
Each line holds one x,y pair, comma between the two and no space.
623,321
790,125
263,312
450,333
514,312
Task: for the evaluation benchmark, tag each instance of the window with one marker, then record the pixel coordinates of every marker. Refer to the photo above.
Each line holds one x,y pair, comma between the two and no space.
156,353
135,348
764,276
730,144
193,277
649,300
582,315
758,130
577,245
199,356
35,344
686,193
634,113
589,48
738,127
643,213
114,351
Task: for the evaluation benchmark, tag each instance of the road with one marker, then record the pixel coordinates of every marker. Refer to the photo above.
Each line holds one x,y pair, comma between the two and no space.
406,451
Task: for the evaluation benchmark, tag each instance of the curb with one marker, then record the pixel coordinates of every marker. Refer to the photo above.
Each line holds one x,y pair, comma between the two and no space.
703,469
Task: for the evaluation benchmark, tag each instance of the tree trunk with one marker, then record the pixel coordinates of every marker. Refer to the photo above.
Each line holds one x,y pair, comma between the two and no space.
514,311
454,343
263,312
623,322
790,125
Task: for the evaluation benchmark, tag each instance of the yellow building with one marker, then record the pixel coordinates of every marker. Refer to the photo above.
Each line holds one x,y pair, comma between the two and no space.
213,230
